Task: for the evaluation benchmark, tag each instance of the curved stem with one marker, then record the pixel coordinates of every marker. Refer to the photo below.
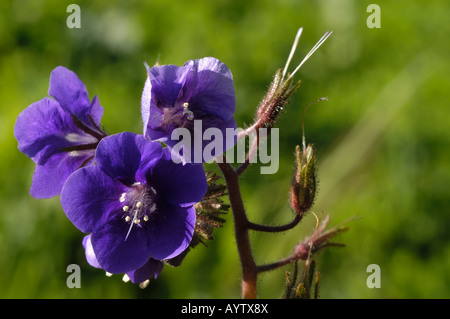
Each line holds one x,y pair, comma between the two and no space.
248,265
277,264
274,229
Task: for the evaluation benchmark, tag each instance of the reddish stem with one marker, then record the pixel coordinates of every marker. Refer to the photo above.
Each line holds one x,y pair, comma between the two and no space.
248,265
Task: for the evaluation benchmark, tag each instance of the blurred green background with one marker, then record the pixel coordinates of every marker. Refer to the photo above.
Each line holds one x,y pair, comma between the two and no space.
382,139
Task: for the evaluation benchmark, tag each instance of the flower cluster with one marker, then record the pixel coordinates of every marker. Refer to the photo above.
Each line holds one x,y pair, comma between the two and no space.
136,205
144,200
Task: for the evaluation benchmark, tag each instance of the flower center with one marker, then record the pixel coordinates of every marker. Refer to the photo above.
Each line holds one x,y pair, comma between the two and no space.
178,116
138,205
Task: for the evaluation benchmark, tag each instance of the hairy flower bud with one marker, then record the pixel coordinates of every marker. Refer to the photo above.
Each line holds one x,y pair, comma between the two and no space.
277,96
303,187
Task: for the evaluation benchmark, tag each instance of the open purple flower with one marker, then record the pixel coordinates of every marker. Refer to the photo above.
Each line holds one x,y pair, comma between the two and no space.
196,96
60,135
136,202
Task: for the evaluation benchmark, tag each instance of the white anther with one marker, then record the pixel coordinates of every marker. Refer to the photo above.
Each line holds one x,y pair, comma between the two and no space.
139,204
136,184
190,115
145,218
125,208
108,274
185,105
127,219
144,284
122,197
137,221
125,278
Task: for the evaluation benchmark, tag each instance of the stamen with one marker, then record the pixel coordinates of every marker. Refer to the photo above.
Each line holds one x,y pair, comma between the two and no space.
131,224
136,184
122,197
190,115
140,204
144,284
125,278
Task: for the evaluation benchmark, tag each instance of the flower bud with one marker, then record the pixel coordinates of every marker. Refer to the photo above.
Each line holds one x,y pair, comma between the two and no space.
303,187
277,96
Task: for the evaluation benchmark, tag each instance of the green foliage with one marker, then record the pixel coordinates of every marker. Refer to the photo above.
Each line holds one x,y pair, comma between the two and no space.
381,140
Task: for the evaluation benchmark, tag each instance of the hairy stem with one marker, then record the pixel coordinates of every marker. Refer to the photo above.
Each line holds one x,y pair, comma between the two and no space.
248,265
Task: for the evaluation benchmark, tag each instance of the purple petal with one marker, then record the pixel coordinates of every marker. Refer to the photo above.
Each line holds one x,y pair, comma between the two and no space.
171,233
42,129
145,104
96,110
227,130
114,253
70,92
127,157
178,184
209,88
207,140
89,252
161,90
49,178
151,269
89,198
166,82
152,116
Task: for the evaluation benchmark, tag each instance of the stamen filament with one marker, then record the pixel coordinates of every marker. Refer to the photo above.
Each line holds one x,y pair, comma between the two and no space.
132,223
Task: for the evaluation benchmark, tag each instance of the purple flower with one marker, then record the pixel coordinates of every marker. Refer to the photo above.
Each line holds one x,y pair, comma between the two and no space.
199,92
136,202
60,135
